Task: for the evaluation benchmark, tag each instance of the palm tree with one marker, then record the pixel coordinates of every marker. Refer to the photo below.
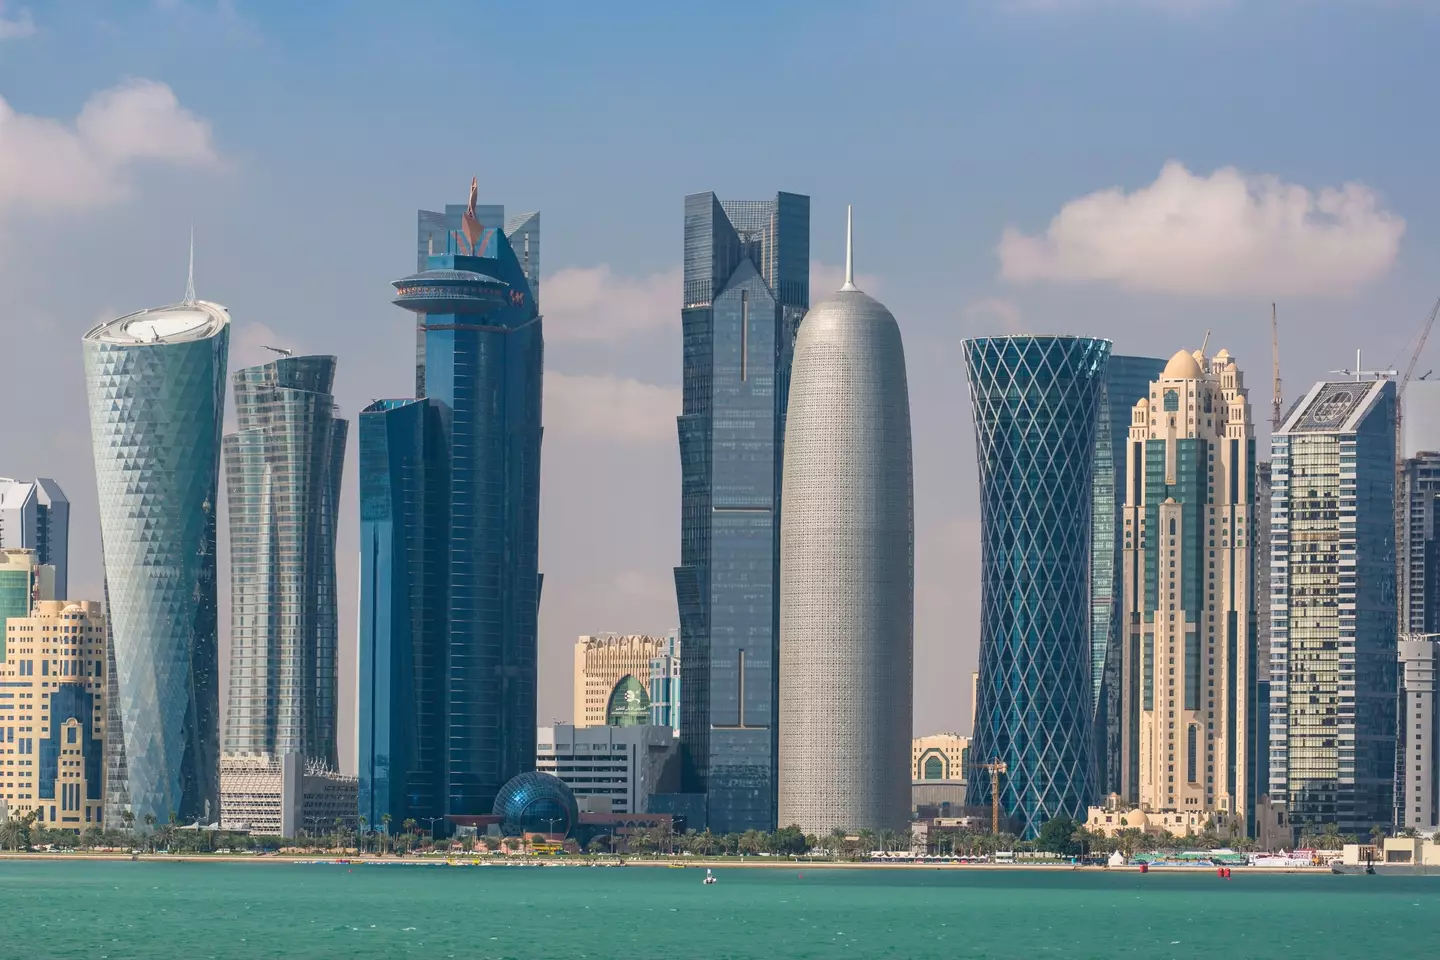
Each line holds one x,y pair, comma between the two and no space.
127,816
408,826
836,840
1377,836
385,831
867,841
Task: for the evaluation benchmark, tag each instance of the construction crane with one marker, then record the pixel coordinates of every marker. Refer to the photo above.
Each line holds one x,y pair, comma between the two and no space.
280,350
1277,399
996,767
1402,533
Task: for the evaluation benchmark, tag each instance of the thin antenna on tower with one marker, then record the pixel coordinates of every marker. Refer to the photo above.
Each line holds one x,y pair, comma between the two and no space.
1278,398
849,250
190,279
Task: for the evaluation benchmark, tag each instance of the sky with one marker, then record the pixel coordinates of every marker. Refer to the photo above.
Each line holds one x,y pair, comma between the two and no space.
1141,170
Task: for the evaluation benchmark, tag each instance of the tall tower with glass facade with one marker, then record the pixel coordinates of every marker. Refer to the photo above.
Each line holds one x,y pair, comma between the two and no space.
1333,613
1126,380
1035,401
450,516
433,234
282,473
1188,665
747,285
156,385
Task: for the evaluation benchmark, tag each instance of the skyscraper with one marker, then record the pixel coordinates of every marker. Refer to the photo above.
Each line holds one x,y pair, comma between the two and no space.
747,285
1333,614
1126,380
433,235
1189,669
450,501
156,385
282,473
847,572
1035,402
36,516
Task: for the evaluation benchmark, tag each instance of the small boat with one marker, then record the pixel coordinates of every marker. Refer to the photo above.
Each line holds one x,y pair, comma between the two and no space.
709,877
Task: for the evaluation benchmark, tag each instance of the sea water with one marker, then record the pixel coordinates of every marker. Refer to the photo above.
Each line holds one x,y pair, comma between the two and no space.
158,911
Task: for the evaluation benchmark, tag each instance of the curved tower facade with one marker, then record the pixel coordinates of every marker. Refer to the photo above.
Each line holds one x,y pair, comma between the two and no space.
1035,402
282,475
156,386
847,552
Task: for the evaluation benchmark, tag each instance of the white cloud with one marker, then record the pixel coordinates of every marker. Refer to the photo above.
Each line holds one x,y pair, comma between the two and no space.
994,313
18,27
48,166
593,303
1226,234
607,407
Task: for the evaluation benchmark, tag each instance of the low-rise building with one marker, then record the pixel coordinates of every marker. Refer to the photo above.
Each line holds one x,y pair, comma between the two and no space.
280,796
621,765
940,756
52,714
612,679
1114,817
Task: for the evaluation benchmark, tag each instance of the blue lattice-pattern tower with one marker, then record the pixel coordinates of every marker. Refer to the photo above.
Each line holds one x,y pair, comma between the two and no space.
1035,401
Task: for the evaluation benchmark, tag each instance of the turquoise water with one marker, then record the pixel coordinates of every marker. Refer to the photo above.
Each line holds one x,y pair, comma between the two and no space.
160,911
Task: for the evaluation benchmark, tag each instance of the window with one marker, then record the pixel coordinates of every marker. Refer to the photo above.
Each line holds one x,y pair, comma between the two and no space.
1172,401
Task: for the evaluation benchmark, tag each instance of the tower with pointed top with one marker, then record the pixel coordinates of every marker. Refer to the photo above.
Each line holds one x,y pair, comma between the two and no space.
747,267
156,386
847,559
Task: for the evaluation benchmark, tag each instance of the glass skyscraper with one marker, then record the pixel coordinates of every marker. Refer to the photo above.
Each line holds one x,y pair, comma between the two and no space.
1035,402
747,286
1333,606
450,508
282,473
156,385
434,234
36,515
1126,380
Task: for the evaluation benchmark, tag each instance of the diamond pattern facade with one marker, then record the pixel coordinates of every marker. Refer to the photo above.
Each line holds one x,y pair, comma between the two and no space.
1035,402
156,398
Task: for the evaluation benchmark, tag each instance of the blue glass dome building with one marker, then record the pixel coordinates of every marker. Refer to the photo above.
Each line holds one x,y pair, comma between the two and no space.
536,802
1035,402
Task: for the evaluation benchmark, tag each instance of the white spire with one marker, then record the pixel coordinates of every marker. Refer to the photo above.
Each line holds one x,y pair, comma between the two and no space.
849,250
190,280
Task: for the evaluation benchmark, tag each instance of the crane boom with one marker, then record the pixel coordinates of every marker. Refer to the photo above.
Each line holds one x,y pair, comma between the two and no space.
1402,527
1277,400
1419,348
996,767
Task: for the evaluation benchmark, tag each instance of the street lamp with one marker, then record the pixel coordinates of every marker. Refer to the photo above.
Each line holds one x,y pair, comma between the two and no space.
432,821
552,821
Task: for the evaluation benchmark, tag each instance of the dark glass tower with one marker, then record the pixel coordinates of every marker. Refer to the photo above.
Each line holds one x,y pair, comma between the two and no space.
747,285
282,474
1035,402
450,511
1126,381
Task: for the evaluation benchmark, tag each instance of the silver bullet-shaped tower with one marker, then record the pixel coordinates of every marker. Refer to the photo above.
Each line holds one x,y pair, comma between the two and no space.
847,558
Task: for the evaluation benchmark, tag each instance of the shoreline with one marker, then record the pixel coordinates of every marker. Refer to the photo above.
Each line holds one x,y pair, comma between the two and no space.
760,863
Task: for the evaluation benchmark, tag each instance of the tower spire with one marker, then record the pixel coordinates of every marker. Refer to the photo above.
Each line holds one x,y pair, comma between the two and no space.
190,278
849,250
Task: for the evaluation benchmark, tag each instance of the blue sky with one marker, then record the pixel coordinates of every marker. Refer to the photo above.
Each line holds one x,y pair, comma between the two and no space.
302,137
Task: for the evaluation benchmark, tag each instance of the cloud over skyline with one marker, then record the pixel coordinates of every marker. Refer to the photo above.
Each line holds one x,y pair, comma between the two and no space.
49,166
1228,234
610,407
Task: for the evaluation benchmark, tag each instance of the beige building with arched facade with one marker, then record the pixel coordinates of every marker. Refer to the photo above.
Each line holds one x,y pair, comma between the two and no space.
612,679
940,756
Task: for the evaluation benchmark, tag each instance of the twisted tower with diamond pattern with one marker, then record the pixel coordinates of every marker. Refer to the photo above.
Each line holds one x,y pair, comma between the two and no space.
1035,402
156,386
